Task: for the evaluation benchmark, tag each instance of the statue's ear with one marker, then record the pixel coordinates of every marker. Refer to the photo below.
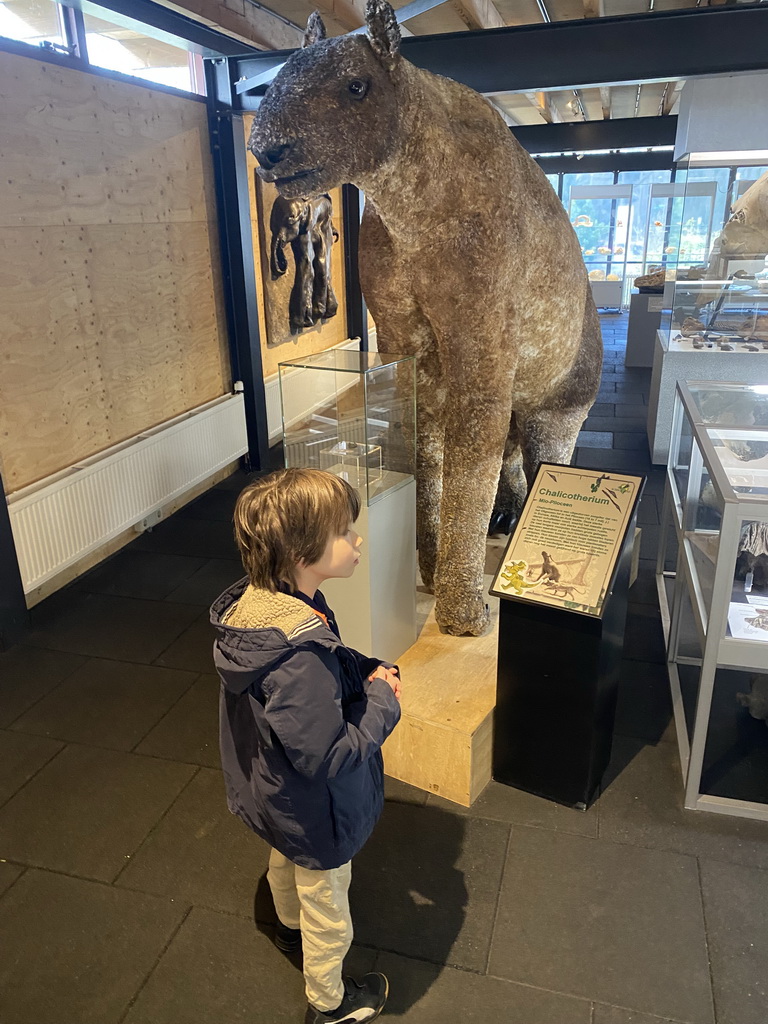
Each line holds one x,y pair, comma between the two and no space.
383,31
315,30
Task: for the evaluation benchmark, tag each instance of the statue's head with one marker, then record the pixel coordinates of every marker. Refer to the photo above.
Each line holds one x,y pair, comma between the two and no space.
330,115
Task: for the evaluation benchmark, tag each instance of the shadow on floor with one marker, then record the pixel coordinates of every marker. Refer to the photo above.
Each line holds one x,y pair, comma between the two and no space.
408,896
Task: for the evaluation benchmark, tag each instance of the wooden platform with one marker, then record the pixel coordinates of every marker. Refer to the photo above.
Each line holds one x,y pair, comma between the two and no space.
443,741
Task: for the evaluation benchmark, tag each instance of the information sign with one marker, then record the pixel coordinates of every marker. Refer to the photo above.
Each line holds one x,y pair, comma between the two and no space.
569,537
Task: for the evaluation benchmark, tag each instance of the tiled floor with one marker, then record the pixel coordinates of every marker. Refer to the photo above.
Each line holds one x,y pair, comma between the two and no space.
129,894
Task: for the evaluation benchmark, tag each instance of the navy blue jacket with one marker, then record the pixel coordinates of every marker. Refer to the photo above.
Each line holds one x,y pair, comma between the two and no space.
301,727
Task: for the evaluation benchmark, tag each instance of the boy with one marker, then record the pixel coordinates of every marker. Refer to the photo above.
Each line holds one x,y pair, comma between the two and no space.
302,721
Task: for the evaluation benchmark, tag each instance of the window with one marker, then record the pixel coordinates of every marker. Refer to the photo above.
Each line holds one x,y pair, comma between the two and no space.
31,21
117,48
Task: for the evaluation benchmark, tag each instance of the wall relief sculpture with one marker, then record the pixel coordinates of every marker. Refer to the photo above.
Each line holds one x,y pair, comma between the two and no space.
306,226
456,246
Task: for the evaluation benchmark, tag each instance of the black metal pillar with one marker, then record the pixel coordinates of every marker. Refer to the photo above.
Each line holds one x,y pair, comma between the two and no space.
239,270
357,314
13,607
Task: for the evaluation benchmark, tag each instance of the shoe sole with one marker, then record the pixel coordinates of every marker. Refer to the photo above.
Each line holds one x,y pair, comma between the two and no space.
287,947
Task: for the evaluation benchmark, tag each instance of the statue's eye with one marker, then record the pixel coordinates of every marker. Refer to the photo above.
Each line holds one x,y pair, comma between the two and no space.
357,88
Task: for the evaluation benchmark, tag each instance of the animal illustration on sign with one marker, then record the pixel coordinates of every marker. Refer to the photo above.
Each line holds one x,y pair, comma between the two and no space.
456,248
307,227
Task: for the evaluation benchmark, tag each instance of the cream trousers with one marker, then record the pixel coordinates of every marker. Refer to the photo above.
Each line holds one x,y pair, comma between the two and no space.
318,903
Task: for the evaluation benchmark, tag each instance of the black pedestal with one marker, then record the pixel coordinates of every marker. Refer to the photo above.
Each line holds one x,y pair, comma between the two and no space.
558,674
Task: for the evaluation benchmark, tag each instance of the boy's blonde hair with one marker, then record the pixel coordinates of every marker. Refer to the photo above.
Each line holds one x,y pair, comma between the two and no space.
288,517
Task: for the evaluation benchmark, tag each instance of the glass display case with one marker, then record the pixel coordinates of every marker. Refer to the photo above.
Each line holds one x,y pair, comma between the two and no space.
600,215
353,414
715,603
718,302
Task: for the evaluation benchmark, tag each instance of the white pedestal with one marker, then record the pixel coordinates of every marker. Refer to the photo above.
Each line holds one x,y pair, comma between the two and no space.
607,294
376,608
644,320
673,361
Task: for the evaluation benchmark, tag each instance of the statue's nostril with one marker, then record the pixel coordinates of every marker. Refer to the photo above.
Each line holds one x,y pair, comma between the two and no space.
272,157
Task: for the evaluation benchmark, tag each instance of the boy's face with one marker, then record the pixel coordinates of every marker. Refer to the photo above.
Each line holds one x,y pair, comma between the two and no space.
341,556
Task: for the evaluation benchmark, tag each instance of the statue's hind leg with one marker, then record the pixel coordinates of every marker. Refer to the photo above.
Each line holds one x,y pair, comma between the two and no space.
513,486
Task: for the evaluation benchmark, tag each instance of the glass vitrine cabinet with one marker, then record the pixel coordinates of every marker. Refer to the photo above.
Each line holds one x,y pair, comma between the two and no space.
715,603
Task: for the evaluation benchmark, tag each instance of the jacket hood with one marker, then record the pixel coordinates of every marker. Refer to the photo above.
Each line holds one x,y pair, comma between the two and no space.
257,628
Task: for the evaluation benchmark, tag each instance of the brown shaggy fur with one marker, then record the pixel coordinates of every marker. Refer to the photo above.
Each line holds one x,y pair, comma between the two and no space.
467,260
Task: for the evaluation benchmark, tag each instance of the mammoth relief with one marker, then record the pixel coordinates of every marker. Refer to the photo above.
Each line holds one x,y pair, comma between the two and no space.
306,226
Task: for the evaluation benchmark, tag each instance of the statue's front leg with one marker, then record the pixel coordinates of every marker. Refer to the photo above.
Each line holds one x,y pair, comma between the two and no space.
476,429
430,436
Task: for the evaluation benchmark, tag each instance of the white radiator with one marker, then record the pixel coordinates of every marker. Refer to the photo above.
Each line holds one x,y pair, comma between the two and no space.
59,520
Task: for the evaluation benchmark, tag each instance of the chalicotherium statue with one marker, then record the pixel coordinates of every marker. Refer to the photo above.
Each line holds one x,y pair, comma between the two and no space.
305,225
467,260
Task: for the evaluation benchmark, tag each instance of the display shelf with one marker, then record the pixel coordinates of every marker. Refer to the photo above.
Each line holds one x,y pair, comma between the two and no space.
716,607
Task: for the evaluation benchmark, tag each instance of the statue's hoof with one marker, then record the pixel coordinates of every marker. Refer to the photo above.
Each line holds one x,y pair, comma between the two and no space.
501,522
469,626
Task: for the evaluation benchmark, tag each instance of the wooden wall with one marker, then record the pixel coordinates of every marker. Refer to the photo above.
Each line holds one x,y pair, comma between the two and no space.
314,339
112,307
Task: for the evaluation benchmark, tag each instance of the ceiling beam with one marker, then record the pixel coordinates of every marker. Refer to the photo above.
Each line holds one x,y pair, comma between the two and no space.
543,103
576,136
671,45
605,101
478,14
594,8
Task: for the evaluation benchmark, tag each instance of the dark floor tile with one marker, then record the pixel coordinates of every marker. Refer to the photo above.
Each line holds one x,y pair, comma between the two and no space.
649,541
615,1015
107,704
608,387
611,460
642,804
436,900
635,441
200,538
427,994
644,706
20,758
644,636
630,400
615,423
632,410
200,853
77,951
204,586
220,968
601,409
237,481
217,505
643,592
87,810
193,650
594,439
190,730
105,626
8,874
132,573
602,921
27,674
498,802
736,912
401,793
648,513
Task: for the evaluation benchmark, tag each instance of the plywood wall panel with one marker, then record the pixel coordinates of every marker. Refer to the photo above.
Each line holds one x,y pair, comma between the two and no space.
113,310
116,152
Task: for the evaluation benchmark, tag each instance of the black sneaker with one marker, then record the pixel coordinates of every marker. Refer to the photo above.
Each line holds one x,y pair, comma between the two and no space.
362,1002
288,940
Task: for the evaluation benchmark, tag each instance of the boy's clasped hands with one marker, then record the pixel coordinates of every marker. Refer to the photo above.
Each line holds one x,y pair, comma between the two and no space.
389,676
